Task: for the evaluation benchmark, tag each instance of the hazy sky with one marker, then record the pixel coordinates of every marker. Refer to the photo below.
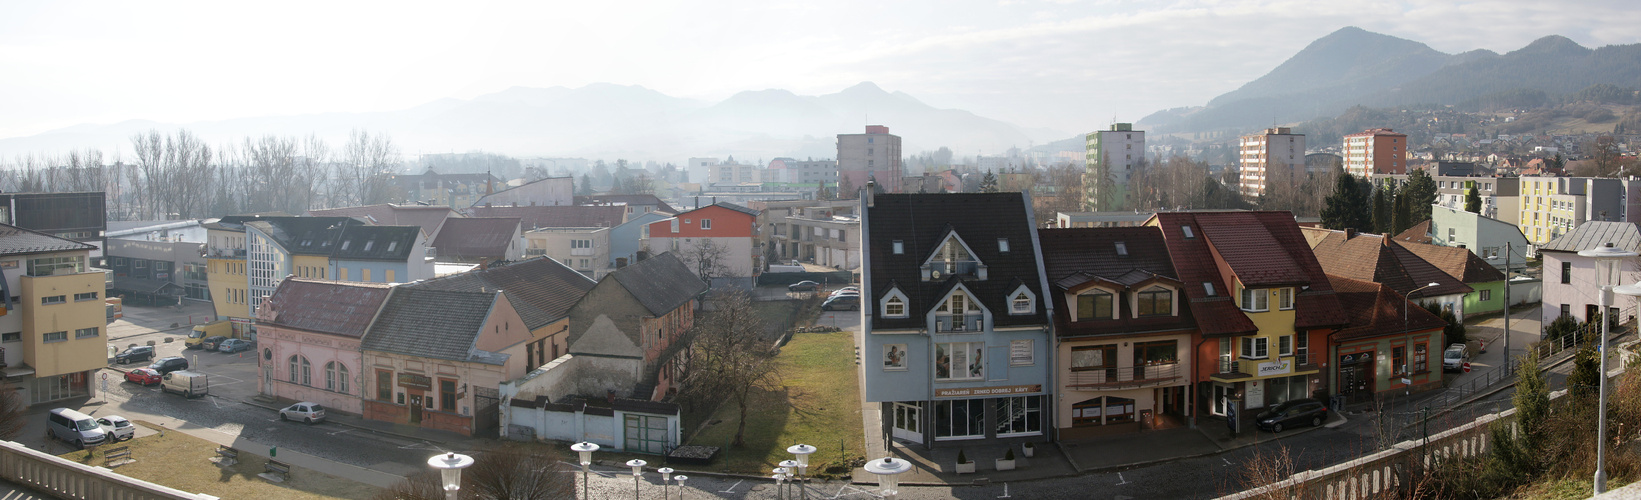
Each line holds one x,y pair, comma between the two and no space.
1066,65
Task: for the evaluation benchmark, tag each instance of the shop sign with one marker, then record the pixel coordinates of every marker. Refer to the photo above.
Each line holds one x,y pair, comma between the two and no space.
1275,368
1347,359
415,381
988,391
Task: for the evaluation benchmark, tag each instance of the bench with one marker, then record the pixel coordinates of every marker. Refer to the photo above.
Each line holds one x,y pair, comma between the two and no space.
226,456
115,457
277,472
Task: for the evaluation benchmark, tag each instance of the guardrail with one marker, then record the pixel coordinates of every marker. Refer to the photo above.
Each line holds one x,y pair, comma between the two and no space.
64,478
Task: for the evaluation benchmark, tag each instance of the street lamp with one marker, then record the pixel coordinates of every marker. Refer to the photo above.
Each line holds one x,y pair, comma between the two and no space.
450,467
1507,250
802,452
585,449
666,476
791,467
888,471
1407,374
637,472
680,478
780,479
1607,259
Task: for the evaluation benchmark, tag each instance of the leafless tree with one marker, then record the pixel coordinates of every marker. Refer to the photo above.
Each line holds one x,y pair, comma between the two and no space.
502,473
730,357
709,259
365,164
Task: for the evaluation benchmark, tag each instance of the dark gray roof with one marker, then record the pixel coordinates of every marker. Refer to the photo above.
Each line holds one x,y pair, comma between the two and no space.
15,240
736,208
437,324
1593,234
541,289
661,283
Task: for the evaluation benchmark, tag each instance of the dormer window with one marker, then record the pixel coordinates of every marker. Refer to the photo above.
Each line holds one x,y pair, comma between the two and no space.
1094,304
958,313
894,308
952,257
900,247
1122,249
1156,301
1022,301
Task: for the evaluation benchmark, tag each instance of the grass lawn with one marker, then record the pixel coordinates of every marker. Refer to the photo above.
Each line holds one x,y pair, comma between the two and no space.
819,406
181,461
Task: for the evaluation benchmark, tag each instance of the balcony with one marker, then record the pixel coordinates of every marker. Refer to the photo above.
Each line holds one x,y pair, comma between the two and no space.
581,251
225,253
1110,379
958,323
940,269
535,252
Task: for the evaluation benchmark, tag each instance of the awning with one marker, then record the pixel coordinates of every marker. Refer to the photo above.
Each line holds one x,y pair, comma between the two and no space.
145,285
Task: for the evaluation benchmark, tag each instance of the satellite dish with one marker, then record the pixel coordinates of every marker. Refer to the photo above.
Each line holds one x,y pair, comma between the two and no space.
935,274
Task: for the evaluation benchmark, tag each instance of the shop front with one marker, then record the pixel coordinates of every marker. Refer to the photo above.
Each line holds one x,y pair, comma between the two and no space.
1014,413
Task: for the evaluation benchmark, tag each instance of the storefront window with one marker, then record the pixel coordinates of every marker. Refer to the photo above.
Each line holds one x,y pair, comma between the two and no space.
959,361
1022,415
959,419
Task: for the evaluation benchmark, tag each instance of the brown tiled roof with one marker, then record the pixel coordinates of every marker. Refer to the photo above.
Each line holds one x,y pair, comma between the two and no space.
335,307
556,216
1072,257
1460,263
1419,233
1371,257
1376,310
477,237
1259,243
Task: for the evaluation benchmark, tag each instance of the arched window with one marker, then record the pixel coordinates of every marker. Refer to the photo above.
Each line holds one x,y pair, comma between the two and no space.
307,373
295,365
336,377
330,376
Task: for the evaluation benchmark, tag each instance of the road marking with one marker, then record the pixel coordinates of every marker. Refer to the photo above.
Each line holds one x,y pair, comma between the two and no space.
856,491
341,431
732,486
1005,491
1227,462
1124,481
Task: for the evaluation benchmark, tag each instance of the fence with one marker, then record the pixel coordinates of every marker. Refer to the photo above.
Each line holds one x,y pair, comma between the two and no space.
67,479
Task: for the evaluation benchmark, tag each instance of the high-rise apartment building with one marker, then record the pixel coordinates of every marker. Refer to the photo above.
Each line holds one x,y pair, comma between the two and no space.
1277,154
1113,156
872,155
1375,152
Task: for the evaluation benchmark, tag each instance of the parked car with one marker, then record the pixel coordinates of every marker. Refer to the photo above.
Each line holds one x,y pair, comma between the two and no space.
117,428
235,345
1291,413
74,428
144,376
848,290
170,364
846,302
307,412
187,383
212,342
803,286
1454,357
135,354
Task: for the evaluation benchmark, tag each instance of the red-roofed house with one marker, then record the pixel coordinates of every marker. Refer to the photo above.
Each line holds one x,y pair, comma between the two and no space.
718,241
1389,342
1261,302
310,330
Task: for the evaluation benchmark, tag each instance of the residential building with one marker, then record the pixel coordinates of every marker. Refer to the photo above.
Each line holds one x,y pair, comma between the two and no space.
538,217
874,155
310,333
809,171
548,191
1390,346
428,217
956,319
399,254
1123,331
225,260
1275,155
719,241
541,290
1552,206
328,248
1485,281
78,216
635,203
1500,196
732,173
635,321
1571,287
585,249
628,240
1101,219
1378,259
1486,237
826,233
1262,305
155,273
451,190
480,240
1112,157
52,336
1375,152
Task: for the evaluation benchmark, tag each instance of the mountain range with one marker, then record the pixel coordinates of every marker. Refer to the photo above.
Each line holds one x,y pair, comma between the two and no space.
1353,66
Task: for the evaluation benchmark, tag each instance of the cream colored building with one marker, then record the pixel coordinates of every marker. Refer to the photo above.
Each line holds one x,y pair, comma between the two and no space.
1273,155
584,249
54,336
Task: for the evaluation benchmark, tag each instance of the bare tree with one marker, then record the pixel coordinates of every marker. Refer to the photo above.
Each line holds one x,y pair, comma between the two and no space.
730,357
501,473
709,259
365,163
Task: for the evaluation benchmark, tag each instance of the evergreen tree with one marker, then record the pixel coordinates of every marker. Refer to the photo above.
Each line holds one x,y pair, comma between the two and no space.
1381,210
1399,215
585,187
1420,192
1347,206
1472,200
988,184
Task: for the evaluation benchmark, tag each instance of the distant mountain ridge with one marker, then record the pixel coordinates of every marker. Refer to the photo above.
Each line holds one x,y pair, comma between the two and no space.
603,120
1353,66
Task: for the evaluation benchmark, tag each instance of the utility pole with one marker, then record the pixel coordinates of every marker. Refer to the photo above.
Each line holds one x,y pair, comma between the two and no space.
1507,359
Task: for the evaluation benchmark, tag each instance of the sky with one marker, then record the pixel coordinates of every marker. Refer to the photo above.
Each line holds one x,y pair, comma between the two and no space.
1064,66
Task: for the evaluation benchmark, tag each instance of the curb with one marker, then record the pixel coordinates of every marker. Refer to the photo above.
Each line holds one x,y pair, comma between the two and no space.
353,426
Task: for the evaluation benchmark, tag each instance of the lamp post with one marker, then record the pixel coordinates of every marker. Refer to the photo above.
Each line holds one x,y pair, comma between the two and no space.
888,471
1409,302
666,476
585,449
450,467
780,480
1607,259
637,472
680,478
802,452
791,467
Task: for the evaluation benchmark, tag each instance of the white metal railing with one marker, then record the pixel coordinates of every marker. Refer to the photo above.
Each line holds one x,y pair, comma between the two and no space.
64,478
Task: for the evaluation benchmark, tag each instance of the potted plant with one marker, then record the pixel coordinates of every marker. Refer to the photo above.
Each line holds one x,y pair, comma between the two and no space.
1007,462
964,466
1030,449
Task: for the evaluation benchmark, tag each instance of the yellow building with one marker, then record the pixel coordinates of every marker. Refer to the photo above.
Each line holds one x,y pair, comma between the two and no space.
55,336
225,271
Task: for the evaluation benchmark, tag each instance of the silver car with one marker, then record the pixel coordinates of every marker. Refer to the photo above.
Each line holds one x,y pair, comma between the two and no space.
306,411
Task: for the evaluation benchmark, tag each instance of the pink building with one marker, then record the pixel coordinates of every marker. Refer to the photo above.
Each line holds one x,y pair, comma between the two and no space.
310,333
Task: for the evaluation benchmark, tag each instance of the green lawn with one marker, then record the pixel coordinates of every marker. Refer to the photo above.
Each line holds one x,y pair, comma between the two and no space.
819,406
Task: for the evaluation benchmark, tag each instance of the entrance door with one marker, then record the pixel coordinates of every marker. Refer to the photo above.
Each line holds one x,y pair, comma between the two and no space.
415,408
1356,377
909,421
1222,397
646,434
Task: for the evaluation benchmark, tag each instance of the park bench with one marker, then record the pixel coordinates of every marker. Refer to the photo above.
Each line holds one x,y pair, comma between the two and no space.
276,471
115,457
226,456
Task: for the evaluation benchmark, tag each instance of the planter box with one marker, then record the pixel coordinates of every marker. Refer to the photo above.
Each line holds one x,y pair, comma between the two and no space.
967,468
1029,450
1003,464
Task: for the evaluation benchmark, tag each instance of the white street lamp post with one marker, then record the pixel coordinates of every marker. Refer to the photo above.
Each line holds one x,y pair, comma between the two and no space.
585,449
780,479
802,452
637,472
450,467
680,478
666,477
888,471
1607,260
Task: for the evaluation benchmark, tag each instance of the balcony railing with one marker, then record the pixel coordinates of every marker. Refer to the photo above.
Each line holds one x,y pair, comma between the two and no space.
226,253
948,268
581,251
1124,377
958,323
535,252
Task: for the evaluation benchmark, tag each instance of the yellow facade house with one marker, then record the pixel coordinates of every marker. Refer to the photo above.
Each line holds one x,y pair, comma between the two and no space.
53,338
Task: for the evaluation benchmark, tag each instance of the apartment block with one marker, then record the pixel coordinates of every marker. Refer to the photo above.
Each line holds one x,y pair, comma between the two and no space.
874,155
1375,152
1112,157
53,337
1277,154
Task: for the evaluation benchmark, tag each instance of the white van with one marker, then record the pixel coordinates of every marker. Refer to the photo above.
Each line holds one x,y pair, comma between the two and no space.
74,428
187,383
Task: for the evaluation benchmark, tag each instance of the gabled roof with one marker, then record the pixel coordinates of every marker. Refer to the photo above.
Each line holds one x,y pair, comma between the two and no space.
1460,263
237,222
625,199
1374,258
1592,234
427,217
661,283
1267,241
476,237
541,289
556,216
921,222
16,241
436,324
1419,233
304,235
390,243
335,307
1376,310
1072,257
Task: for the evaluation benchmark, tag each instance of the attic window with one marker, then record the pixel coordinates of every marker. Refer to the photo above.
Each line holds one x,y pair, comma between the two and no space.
1188,233
369,244
345,244
392,245
900,247
1003,245
1208,287
1122,249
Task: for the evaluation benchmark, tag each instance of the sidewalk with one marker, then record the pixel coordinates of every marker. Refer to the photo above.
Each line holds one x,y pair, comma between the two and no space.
410,432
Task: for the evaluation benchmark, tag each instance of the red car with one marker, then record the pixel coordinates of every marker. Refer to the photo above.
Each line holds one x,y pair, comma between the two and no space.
144,376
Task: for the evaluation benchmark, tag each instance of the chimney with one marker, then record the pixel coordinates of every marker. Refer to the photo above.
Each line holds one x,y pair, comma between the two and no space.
1350,232
697,202
871,193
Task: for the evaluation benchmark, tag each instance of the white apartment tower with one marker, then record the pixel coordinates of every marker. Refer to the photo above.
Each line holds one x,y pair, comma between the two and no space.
1113,156
1277,154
